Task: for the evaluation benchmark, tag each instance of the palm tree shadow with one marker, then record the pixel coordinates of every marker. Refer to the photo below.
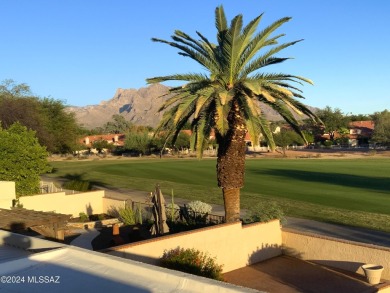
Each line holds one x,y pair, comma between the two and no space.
380,184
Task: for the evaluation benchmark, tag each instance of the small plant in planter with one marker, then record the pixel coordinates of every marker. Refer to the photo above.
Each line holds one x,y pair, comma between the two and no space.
192,261
83,217
127,216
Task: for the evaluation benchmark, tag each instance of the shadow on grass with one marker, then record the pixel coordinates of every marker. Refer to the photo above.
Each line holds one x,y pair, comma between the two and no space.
381,184
80,177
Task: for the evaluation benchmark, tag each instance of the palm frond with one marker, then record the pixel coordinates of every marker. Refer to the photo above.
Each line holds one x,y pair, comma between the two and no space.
221,122
172,101
260,40
288,117
220,19
258,63
188,52
262,61
193,77
267,133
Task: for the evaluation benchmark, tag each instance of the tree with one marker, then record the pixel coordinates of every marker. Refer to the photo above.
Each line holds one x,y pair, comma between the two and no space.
334,121
286,137
55,128
117,125
22,159
102,144
182,141
382,128
227,98
138,141
61,127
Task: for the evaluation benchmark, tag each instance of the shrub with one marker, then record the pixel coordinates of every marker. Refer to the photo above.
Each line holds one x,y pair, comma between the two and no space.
83,217
264,211
79,185
192,261
199,207
127,216
328,143
172,211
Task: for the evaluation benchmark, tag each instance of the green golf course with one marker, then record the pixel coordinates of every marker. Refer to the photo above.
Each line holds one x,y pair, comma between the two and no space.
348,191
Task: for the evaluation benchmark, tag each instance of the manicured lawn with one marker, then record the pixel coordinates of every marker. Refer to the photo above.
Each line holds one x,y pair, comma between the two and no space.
349,191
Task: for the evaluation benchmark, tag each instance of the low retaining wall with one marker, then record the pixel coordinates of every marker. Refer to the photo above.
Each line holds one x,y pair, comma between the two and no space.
87,202
333,252
94,224
7,194
232,244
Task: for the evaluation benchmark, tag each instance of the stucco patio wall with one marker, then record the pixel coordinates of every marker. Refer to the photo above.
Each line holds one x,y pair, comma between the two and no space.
86,202
111,205
333,252
7,194
232,244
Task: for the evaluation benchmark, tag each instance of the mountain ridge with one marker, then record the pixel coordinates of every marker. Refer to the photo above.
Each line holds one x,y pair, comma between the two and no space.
139,106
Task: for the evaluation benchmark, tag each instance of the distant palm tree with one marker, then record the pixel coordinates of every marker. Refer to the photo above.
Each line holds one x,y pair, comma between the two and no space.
226,100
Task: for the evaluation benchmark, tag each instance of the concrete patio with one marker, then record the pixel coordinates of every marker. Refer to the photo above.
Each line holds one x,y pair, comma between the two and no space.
290,275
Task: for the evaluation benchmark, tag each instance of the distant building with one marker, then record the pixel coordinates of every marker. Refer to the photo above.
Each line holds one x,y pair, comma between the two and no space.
115,139
360,132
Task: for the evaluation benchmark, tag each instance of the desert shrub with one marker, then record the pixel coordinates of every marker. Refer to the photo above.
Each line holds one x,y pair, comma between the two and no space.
192,261
79,185
328,143
264,211
172,211
199,207
83,217
127,215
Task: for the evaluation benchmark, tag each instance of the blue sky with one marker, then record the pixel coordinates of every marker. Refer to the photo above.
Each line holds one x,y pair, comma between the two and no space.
80,52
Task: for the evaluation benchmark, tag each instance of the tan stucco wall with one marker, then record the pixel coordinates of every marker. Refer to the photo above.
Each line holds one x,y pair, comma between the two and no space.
346,255
110,205
87,202
7,194
232,245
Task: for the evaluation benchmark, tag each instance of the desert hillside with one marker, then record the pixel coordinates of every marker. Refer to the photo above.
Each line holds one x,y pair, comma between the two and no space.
138,106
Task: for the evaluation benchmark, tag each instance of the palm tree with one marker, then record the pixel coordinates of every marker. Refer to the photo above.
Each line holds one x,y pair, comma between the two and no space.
227,99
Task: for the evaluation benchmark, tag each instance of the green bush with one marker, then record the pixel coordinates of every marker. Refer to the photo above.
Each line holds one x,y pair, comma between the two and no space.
264,211
328,143
83,217
79,185
192,261
127,216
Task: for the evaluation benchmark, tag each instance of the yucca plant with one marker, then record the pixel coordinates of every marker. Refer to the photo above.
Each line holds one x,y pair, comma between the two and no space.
229,99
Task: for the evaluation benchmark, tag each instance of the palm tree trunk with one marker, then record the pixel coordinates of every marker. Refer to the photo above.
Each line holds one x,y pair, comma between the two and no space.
231,200
231,164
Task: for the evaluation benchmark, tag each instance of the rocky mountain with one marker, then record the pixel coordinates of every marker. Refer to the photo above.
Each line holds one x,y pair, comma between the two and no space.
138,106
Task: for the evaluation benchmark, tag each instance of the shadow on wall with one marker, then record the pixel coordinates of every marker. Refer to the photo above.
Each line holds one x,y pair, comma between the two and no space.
292,252
266,251
89,209
18,241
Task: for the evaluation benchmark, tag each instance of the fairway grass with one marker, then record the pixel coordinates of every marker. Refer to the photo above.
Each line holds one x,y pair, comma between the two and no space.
352,192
